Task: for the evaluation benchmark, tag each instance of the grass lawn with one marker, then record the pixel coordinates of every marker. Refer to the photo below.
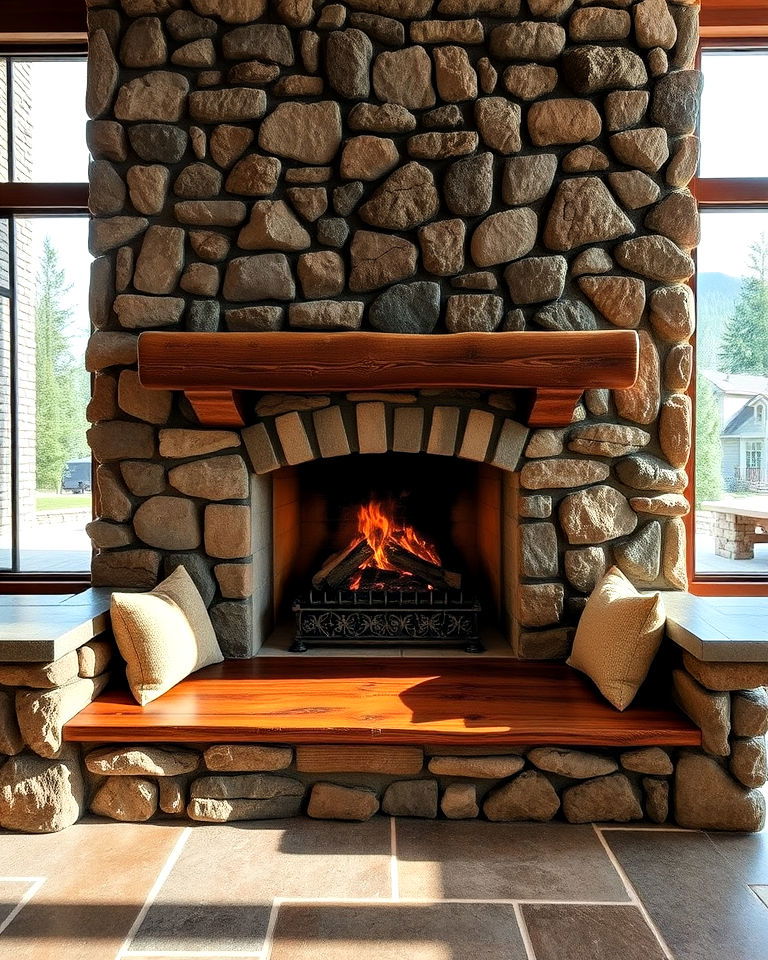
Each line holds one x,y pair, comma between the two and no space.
62,501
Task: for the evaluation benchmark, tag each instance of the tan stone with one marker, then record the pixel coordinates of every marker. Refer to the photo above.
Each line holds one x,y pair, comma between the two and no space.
481,768
105,535
625,108
749,713
326,315
170,523
654,24
640,402
650,760
648,473
253,71
545,443
598,24
683,163
525,179
330,801
607,439
585,159
235,580
498,122
437,146
748,762
209,245
540,604
455,77
527,40
530,796
595,515
605,798
727,676
645,149
406,199
40,796
102,75
273,227
531,81
103,402
673,312
228,143
148,187
585,568
442,247
114,502
120,440
94,657
634,188
404,77
227,531
183,443
593,69
106,233
368,157
152,406
562,473
560,121
655,257
231,11
706,797
381,118
138,313
213,478
197,54
11,740
620,299
246,758
674,554
575,764
584,212
411,798
310,202
711,712
447,31
126,569
266,276
131,800
142,478
43,713
378,259
200,279
676,217
664,505
159,95
675,425
321,274
504,236
307,132
459,801
254,176
141,760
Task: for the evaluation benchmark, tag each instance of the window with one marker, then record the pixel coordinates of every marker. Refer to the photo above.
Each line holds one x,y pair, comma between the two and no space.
45,475
731,481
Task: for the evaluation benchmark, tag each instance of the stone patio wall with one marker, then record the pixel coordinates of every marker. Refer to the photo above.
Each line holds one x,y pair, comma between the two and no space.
408,166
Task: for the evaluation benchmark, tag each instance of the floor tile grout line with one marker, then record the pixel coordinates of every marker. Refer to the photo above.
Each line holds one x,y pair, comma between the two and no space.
633,894
525,936
429,901
266,948
34,885
156,887
394,869
188,954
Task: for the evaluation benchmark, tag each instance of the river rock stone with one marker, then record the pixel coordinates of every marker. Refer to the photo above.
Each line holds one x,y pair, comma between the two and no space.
593,69
711,712
159,95
584,212
562,473
527,40
159,264
368,157
530,796
675,101
107,233
102,75
254,176
655,257
672,312
158,142
119,440
498,122
455,76
404,77
538,550
473,313
141,761
307,132
561,121
384,29
675,426
640,556
585,159
649,760
170,523
331,801
106,140
674,554
566,315
411,798
640,402
575,764
605,798
11,740
504,236
254,319
459,801
210,213
266,276
536,279
148,187
406,199
684,162
237,104
646,149
442,247
481,768
634,188
138,313
273,227
598,24
321,274
654,25
378,259
326,315
144,44
530,81
540,604
665,505
748,762
676,217
644,472
706,797
41,796
184,25
526,179
348,55
214,478
607,439
264,41
585,568
595,515
468,186
407,308
106,195
43,713
152,406
625,108
749,712
126,569
728,675
228,143
381,118
438,146
620,299
247,758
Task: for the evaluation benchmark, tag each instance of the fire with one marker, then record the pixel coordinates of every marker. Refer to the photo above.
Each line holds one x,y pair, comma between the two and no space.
377,523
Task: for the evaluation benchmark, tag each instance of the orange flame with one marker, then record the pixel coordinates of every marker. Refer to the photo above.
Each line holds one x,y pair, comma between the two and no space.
376,523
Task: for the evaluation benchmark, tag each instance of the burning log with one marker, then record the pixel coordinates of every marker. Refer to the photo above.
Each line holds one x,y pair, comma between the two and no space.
341,566
430,573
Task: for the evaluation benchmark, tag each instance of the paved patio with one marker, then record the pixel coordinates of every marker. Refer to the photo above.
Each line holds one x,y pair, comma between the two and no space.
383,890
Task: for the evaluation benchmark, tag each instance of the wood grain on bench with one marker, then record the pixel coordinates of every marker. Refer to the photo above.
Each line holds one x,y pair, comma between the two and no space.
383,700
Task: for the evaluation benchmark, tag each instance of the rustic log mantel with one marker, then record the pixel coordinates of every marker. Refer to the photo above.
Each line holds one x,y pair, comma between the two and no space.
213,368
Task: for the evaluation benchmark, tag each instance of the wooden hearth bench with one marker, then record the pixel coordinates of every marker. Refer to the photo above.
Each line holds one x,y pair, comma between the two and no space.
498,702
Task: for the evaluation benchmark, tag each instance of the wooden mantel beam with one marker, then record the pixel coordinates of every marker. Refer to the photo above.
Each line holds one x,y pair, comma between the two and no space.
212,367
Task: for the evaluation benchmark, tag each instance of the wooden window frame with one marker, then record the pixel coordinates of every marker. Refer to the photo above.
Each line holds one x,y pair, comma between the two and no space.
732,25
45,29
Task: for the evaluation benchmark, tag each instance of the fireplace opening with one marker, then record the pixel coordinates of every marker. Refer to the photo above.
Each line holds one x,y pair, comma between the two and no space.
389,550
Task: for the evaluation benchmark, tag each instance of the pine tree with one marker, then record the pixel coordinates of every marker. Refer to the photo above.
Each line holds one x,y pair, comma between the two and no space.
744,347
709,485
59,405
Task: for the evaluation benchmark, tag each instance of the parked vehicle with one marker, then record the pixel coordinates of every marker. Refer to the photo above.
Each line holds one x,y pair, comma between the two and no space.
76,476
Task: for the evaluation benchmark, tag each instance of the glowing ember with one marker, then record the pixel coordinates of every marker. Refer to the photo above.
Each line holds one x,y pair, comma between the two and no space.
378,525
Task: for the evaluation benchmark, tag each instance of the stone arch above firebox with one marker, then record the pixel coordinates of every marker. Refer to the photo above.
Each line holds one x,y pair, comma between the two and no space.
445,425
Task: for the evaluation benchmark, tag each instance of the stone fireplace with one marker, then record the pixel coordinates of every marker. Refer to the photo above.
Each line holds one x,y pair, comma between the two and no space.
398,169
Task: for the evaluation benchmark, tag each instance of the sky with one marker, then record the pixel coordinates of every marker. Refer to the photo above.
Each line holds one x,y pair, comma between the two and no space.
733,144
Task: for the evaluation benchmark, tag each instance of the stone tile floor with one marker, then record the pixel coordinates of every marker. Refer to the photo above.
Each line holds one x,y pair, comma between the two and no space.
382,890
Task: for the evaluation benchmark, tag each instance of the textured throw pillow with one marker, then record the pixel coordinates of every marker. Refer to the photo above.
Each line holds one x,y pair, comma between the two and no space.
617,638
163,635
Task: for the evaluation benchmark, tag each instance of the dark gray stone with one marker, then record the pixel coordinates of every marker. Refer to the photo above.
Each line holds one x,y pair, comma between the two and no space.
407,308
411,798
203,316
348,56
233,623
161,142
468,185
675,103
198,570
443,118
384,29
183,25
592,69
566,315
346,198
332,231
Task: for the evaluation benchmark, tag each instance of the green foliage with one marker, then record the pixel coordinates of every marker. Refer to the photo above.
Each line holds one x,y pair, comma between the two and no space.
708,450
61,385
744,347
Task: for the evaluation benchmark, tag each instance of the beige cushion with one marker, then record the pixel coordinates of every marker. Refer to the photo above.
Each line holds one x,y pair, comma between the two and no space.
617,637
163,635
